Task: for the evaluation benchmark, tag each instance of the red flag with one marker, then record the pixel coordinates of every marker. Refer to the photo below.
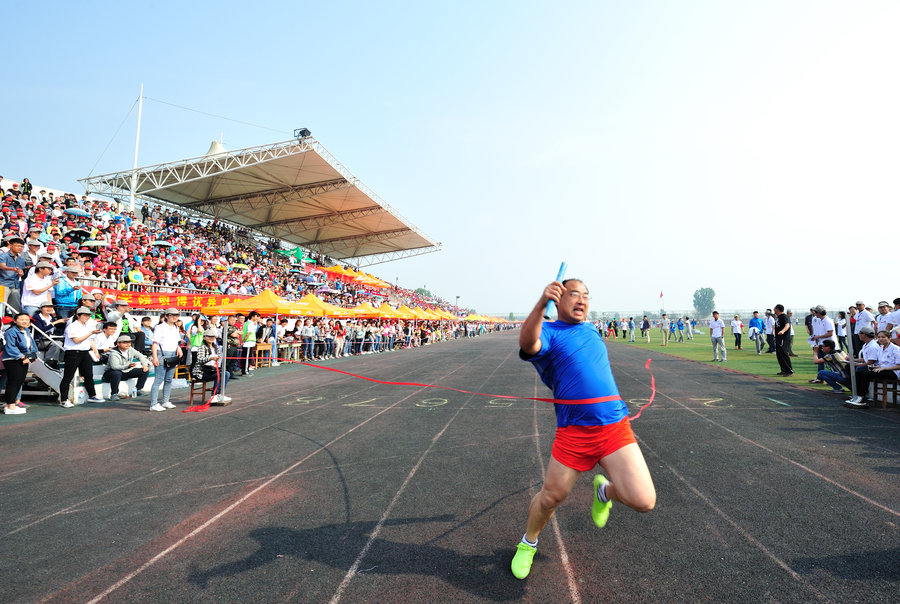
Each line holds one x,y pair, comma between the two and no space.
660,294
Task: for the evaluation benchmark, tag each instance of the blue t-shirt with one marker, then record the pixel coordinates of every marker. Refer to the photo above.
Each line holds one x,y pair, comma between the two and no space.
573,362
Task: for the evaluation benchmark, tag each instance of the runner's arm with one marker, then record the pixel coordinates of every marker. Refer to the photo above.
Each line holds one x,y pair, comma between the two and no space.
530,338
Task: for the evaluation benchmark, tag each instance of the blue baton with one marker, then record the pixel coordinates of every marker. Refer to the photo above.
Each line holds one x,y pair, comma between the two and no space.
559,277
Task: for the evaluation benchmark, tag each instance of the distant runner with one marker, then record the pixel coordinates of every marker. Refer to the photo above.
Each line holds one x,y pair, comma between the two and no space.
572,360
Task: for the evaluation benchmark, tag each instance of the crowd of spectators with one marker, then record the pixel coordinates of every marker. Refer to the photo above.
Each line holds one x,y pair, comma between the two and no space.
165,249
54,245
873,334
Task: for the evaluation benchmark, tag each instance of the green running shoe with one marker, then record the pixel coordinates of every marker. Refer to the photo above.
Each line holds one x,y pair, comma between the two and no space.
521,562
600,510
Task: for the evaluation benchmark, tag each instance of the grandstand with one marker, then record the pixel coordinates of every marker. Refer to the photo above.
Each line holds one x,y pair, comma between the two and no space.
295,191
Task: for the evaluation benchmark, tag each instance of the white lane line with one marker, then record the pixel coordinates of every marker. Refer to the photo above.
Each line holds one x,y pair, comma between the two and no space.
387,512
779,402
778,455
743,532
563,553
81,503
221,514
127,578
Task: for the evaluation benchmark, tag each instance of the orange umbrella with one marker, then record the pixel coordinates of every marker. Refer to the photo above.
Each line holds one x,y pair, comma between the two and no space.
366,311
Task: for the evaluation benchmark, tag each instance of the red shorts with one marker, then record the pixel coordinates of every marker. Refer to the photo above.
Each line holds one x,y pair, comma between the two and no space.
582,447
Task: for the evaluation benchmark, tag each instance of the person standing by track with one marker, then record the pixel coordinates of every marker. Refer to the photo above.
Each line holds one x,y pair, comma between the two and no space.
781,330
571,359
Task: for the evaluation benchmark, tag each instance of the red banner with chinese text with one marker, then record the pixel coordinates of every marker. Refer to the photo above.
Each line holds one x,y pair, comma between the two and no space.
166,300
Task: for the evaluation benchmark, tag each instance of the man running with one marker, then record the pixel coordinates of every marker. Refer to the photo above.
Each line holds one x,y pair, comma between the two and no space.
571,359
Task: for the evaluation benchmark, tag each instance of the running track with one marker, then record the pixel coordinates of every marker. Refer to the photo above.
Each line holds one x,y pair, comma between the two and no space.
317,487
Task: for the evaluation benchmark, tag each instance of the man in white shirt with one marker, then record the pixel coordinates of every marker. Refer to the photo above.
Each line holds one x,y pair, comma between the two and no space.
36,288
770,331
33,249
737,330
877,357
883,318
863,317
823,328
106,339
664,330
894,317
717,335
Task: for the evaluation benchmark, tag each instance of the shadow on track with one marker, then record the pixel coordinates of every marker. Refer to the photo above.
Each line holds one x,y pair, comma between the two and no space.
336,545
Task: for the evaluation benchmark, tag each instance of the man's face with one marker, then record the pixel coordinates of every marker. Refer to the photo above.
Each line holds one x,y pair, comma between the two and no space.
573,306
123,346
882,310
716,316
16,248
108,331
756,315
860,307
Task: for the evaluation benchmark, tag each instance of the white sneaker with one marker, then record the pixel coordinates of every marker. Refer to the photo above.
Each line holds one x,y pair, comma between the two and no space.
133,394
157,407
275,363
66,404
857,402
96,399
168,405
13,410
213,400
225,398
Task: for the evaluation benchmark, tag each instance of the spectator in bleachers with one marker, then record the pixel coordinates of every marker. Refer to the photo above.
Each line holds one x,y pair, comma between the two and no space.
106,340
12,270
48,325
36,288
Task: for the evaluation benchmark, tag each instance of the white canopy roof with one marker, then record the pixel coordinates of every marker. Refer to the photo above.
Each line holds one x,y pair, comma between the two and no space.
294,190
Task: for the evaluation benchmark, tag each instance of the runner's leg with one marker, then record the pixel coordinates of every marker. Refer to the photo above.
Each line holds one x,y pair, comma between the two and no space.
629,477
557,486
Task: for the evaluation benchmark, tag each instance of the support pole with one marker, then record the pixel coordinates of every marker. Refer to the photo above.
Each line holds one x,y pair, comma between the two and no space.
850,360
137,142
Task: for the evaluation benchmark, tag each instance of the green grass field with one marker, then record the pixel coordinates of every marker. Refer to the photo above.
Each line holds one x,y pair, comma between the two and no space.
746,360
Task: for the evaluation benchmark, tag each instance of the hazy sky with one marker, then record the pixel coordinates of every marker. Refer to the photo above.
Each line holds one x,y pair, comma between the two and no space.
653,146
